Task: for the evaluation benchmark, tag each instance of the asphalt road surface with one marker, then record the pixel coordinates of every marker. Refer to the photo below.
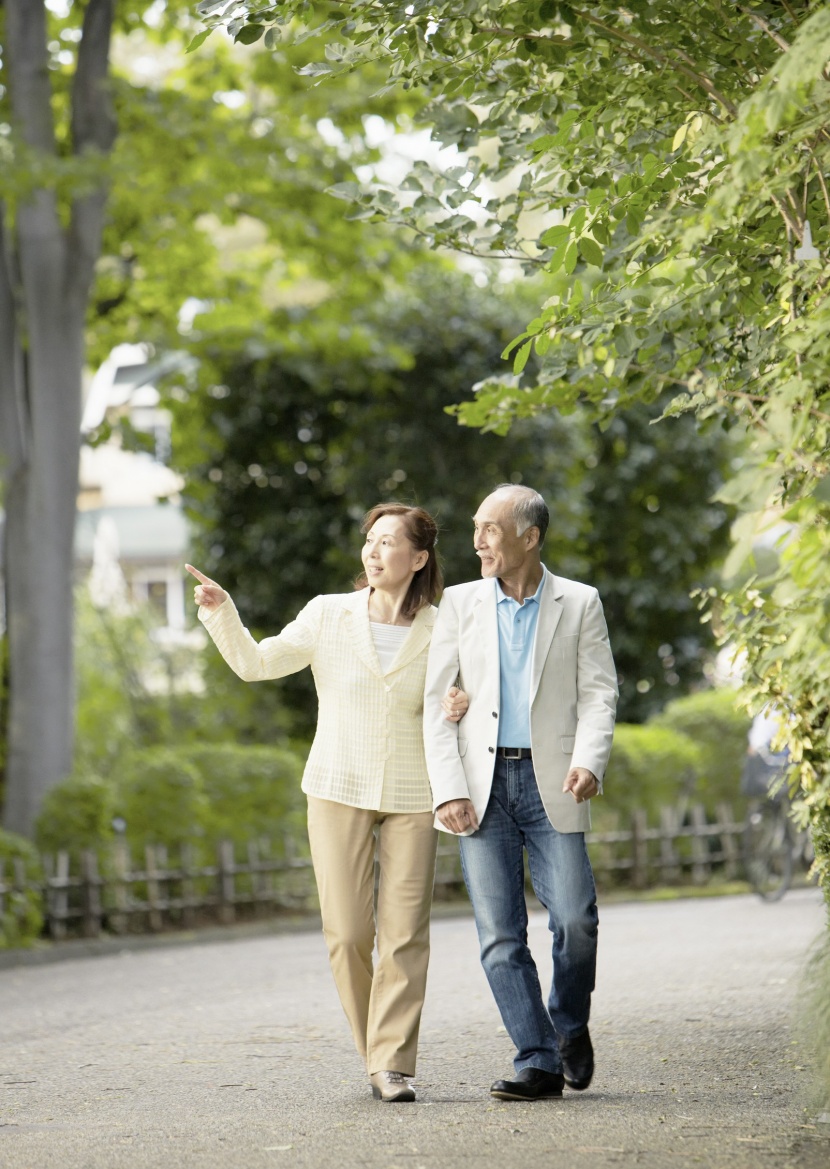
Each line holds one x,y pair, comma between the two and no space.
233,1054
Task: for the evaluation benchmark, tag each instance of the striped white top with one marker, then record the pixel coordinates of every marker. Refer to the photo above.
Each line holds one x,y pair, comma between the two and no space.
388,640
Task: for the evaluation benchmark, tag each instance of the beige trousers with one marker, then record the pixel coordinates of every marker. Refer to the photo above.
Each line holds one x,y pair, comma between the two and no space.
382,1000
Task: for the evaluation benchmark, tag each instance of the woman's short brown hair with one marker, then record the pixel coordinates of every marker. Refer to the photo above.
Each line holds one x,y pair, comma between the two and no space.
422,533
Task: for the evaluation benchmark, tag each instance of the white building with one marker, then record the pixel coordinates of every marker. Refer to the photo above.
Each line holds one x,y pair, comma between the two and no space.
131,535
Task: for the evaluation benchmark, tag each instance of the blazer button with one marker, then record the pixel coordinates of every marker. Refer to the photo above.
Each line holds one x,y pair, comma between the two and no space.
492,750
495,714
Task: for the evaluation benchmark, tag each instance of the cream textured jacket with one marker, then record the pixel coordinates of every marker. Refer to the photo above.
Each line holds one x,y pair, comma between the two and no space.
368,749
573,696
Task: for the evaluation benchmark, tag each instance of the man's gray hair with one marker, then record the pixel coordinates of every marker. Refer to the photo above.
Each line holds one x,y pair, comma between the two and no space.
529,509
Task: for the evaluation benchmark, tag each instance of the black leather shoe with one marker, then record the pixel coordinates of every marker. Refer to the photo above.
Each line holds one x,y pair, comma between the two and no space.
577,1060
530,1084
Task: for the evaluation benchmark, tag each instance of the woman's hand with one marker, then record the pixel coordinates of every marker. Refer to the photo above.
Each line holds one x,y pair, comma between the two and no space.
455,704
207,593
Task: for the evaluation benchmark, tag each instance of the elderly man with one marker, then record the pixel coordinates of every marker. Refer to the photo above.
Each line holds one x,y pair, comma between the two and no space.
531,650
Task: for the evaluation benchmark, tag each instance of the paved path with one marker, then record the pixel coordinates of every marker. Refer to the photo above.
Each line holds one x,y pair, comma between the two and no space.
234,1055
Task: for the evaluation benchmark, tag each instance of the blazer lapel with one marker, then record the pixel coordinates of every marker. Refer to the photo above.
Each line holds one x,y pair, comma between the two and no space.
356,615
487,624
550,610
417,639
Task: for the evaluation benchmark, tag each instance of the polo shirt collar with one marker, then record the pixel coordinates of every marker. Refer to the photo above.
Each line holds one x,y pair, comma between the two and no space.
501,595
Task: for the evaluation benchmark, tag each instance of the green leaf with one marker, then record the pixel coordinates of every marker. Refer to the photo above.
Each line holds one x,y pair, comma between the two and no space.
249,33
590,251
508,349
556,235
520,360
350,192
199,39
680,136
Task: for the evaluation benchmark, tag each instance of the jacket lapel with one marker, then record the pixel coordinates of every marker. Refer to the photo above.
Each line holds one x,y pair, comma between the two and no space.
487,625
550,610
417,640
356,616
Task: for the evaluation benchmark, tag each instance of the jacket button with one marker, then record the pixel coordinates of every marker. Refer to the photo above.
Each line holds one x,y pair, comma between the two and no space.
492,750
495,714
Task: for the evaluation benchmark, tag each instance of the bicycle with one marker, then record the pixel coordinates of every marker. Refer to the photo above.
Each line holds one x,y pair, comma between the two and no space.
770,848
772,843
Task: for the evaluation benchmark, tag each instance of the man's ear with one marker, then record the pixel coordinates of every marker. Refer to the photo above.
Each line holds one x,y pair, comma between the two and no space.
532,537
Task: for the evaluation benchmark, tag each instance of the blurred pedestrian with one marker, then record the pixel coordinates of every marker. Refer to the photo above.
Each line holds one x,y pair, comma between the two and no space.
366,774
531,650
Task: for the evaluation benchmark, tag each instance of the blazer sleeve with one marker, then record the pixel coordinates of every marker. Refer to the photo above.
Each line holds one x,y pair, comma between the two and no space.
446,773
273,657
596,688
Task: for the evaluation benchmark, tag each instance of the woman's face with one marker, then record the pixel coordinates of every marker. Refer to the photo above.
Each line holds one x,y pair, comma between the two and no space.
389,557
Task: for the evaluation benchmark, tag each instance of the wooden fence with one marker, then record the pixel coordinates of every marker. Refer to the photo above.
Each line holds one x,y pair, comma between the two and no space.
114,894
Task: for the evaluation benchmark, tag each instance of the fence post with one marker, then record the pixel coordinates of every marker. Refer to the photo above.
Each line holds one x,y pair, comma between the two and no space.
58,896
154,903
730,843
119,920
701,868
187,857
227,883
669,861
90,895
639,849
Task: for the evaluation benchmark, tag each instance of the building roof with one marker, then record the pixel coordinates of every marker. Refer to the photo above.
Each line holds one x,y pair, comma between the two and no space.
158,532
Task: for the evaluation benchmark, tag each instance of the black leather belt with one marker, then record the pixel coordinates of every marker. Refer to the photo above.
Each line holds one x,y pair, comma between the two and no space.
514,752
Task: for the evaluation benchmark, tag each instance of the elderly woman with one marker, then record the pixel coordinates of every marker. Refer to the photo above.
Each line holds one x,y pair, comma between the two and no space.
365,774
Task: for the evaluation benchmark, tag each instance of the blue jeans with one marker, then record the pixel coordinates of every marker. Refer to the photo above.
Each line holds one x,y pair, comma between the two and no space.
560,870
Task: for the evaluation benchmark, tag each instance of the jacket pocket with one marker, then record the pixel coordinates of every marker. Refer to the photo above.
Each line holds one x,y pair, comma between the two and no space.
567,742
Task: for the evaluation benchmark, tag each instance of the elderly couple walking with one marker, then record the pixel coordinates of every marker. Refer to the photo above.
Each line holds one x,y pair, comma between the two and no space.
494,714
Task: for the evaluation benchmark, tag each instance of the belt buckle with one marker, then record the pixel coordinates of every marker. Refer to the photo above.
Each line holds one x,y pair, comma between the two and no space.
517,753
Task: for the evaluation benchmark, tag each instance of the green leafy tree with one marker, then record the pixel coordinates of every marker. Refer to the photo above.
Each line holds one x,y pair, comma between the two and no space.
284,452
123,197
678,167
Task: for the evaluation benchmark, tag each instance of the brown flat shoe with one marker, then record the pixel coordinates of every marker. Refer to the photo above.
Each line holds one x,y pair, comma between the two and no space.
391,1087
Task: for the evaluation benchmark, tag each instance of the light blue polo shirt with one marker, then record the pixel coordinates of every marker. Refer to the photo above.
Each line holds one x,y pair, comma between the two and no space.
517,633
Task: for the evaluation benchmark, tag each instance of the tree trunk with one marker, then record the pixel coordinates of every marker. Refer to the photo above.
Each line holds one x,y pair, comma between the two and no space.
46,271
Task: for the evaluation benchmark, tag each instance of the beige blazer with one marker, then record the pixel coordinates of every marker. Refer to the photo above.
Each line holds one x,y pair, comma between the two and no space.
368,746
573,696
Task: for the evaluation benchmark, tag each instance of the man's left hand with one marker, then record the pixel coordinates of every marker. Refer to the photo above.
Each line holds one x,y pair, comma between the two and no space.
581,783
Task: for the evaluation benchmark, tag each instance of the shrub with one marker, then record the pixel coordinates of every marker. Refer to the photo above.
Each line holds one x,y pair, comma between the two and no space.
21,915
199,795
252,792
650,766
77,814
160,797
715,723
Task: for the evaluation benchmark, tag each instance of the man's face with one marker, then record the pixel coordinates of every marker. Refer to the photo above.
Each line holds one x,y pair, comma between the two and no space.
497,546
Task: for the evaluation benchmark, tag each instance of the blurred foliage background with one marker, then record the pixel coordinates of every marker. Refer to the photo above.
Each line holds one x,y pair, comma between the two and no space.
321,352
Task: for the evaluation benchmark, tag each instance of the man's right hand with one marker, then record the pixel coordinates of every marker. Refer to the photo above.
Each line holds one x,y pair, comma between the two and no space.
458,815
207,593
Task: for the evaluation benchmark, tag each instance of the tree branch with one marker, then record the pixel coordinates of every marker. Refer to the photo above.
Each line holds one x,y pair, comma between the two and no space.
820,175
13,428
94,128
699,78
765,27
28,64
93,116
